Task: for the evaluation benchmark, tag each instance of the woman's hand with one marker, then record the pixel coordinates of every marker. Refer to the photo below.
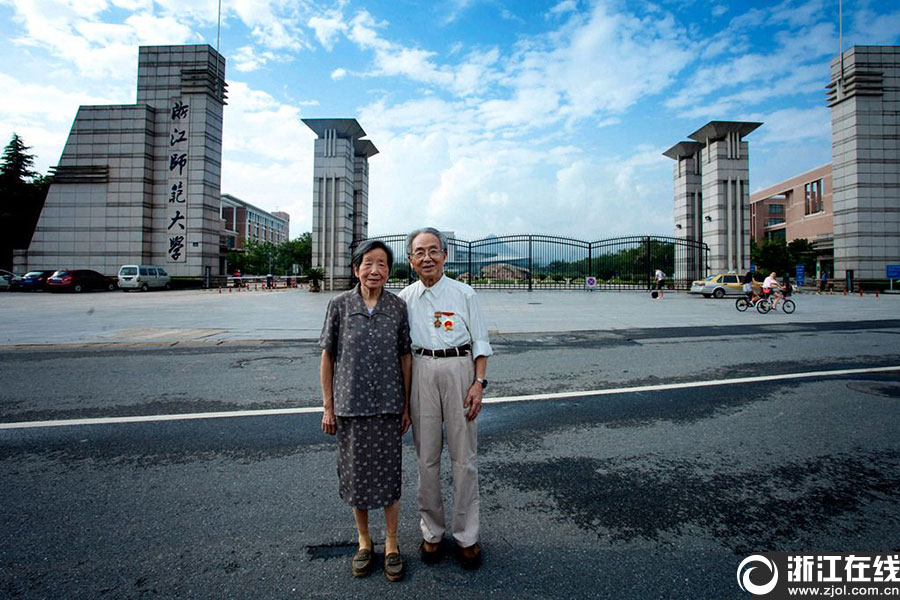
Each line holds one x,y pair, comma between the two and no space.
329,423
405,422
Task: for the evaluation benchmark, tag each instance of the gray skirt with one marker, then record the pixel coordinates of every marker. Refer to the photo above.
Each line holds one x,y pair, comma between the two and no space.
369,460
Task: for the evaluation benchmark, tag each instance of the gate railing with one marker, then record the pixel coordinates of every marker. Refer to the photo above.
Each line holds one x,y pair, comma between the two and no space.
539,262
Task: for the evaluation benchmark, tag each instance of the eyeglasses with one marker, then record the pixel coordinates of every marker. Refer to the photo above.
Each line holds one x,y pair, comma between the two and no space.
432,253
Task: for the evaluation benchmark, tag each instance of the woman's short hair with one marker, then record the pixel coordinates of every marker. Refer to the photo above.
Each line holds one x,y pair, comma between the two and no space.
367,246
440,236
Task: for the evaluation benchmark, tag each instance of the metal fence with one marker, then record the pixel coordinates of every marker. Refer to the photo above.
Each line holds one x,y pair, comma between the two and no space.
539,262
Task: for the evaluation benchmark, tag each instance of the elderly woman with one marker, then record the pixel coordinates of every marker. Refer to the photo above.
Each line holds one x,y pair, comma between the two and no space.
365,374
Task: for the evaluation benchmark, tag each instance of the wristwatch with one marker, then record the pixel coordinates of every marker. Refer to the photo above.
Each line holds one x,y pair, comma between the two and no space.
483,383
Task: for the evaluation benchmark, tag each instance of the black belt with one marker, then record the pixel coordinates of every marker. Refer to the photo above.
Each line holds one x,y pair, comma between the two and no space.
445,353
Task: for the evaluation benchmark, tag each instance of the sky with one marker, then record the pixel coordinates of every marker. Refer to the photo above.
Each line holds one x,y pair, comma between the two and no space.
490,116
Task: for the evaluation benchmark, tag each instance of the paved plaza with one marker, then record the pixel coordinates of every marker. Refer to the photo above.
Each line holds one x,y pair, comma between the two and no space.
202,316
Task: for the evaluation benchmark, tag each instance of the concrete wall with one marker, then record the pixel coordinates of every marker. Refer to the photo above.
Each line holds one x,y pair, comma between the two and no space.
140,183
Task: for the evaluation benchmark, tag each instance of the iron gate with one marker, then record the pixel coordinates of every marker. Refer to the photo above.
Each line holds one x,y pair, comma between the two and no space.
541,262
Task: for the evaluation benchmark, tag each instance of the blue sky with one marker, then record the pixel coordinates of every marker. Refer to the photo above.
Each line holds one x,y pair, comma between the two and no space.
491,116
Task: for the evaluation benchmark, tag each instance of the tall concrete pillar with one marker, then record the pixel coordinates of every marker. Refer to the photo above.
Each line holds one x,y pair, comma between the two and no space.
340,196
725,191
864,96
688,207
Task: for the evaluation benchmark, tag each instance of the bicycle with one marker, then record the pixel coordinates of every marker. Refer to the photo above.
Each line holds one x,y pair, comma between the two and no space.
768,303
743,303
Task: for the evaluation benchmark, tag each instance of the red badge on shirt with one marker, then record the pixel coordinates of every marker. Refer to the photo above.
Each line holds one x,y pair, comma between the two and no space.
443,319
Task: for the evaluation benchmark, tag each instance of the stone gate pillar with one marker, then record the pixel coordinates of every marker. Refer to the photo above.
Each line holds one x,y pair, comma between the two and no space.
340,196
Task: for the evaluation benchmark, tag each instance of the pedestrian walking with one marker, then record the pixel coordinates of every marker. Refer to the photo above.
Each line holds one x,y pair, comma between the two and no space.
660,281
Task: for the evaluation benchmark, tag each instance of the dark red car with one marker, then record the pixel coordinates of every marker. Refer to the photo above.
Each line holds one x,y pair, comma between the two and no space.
79,280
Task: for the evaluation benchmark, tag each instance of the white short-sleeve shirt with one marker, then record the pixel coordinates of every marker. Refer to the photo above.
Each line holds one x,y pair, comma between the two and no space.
446,315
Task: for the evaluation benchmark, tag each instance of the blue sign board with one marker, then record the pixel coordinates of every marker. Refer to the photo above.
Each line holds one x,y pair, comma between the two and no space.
801,274
893,271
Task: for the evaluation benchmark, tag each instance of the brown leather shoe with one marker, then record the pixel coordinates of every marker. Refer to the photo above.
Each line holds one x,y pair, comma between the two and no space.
430,552
362,562
393,566
469,557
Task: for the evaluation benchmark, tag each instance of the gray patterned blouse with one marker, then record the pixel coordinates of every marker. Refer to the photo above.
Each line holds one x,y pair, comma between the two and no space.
366,350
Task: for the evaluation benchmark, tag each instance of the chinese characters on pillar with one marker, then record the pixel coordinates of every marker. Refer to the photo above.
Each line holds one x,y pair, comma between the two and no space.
177,180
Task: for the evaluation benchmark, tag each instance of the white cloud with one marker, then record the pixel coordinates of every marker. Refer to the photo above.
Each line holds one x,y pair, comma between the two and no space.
42,114
268,154
794,126
563,7
338,74
246,59
75,32
328,27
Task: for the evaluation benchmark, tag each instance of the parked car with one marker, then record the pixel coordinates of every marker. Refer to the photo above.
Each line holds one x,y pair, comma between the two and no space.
143,277
33,280
718,286
79,280
7,279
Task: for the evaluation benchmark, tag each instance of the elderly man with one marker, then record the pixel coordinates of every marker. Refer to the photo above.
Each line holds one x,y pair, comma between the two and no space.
450,349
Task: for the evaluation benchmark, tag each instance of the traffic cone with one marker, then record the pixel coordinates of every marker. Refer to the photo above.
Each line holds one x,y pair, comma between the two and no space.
876,292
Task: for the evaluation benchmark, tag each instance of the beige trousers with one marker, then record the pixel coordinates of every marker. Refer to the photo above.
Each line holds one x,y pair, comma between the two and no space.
439,387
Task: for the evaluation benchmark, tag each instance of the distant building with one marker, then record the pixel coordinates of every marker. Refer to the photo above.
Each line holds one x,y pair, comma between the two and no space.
140,183
241,221
799,207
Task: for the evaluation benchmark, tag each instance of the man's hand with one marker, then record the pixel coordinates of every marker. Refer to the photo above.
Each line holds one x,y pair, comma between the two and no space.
329,423
472,404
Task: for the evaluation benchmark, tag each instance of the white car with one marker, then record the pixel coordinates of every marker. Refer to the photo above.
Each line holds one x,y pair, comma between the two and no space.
718,286
143,277
6,279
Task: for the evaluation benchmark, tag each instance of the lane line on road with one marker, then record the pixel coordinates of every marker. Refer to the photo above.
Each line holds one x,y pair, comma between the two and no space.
498,400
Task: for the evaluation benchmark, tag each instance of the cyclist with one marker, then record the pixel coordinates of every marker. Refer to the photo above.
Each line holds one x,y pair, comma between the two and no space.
771,286
747,286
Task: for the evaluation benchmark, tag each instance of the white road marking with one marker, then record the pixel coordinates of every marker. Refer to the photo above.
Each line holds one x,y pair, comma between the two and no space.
499,400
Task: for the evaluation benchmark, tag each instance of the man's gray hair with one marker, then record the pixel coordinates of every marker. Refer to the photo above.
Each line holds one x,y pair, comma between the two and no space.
440,236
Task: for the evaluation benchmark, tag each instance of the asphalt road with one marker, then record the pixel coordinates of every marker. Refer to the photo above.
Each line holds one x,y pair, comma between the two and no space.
73,382
658,493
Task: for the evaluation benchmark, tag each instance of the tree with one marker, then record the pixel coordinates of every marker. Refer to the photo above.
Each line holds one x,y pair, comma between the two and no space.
262,258
773,255
803,252
15,170
22,195
294,252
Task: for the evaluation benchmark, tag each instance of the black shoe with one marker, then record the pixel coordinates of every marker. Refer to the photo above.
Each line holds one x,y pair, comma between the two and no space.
469,557
362,562
393,566
430,557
